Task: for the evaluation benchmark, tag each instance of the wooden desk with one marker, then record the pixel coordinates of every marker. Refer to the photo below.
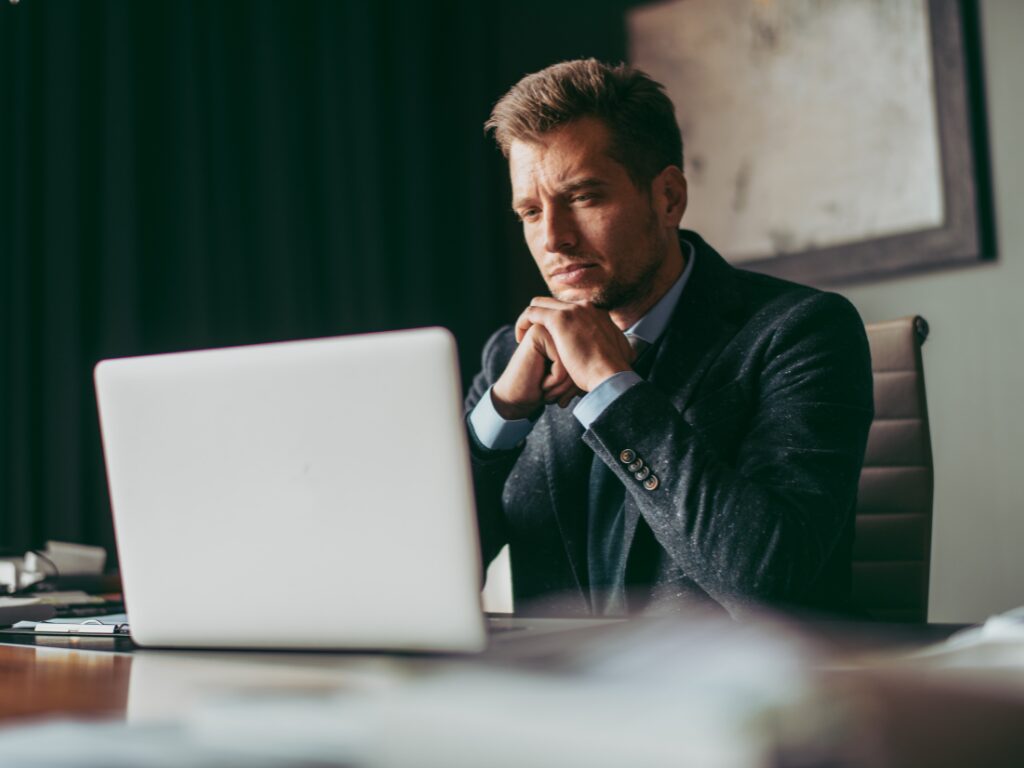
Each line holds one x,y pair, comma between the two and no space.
905,716
106,678
40,681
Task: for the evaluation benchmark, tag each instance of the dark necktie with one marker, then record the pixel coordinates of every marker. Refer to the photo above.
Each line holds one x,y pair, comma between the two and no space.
606,553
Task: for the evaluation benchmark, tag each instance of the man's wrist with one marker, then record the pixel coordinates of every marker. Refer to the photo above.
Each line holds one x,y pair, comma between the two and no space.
598,377
511,411
607,392
493,431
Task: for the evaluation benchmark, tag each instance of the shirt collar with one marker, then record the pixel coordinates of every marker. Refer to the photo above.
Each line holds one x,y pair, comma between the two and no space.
653,324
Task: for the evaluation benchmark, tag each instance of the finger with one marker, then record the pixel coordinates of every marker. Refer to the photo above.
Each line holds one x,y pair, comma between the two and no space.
569,396
549,302
553,323
523,324
557,388
534,315
557,379
529,318
555,376
551,383
541,338
566,389
596,315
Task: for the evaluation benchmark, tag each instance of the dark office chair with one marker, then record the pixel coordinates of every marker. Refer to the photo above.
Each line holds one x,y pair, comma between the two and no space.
892,551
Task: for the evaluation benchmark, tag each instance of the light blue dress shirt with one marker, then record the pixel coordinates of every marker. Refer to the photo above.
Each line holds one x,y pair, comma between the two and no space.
497,433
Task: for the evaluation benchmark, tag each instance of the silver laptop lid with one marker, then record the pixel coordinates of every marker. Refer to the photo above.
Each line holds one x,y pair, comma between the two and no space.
310,494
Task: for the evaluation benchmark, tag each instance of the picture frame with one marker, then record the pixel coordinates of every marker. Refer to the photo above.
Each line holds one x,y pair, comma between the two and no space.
954,231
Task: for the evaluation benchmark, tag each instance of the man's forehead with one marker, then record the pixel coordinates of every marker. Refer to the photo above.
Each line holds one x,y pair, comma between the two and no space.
572,154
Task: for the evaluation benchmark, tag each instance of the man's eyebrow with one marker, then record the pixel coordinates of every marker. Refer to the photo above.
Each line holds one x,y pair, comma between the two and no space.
587,183
568,188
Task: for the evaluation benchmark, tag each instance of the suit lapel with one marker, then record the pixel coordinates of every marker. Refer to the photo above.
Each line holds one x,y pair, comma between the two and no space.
567,461
703,322
700,326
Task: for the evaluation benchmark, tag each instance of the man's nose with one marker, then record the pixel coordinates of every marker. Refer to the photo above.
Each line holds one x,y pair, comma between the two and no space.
559,230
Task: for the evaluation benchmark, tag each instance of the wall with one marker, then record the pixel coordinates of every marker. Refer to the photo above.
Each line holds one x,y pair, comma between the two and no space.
974,366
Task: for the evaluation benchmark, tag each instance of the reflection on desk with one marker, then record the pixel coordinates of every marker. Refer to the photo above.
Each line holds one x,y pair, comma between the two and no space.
701,692
41,681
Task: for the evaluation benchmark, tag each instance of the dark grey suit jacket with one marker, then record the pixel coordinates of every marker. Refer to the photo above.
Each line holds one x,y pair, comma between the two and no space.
754,419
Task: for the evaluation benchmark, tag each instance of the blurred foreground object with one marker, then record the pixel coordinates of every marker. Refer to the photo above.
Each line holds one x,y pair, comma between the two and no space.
687,691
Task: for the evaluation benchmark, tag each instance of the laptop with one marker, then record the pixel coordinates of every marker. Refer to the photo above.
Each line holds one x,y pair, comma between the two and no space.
298,495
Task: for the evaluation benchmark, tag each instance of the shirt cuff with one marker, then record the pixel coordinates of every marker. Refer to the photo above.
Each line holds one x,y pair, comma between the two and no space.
493,431
604,394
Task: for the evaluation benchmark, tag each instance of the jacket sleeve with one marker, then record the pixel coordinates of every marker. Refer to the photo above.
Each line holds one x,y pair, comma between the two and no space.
759,522
490,468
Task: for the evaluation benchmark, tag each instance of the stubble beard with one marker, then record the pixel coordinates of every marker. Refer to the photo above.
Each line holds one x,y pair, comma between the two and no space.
618,294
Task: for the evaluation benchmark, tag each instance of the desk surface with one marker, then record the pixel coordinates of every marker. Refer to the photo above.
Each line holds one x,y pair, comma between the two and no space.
911,715
39,681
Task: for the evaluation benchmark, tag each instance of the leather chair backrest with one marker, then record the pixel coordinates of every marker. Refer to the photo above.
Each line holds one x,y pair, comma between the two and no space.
892,549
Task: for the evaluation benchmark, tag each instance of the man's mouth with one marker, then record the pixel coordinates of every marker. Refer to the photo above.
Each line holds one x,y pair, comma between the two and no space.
572,273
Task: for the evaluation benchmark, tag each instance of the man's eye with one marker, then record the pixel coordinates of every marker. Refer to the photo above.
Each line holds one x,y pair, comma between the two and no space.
528,214
584,197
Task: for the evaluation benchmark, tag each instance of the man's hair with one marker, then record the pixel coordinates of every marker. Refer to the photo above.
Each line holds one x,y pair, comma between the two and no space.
640,118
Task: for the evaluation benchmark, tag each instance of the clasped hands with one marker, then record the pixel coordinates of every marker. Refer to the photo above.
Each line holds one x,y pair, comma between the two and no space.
564,350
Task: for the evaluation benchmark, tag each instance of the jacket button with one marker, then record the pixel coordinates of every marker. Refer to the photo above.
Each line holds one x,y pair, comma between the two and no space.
627,456
643,473
635,466
651,482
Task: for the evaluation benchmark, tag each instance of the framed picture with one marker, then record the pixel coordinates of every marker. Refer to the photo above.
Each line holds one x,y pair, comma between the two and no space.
825,142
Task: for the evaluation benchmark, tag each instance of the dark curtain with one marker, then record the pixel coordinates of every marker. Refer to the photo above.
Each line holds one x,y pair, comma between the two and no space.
179,175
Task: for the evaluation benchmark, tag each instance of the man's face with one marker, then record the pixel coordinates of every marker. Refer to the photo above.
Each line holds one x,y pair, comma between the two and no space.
596,238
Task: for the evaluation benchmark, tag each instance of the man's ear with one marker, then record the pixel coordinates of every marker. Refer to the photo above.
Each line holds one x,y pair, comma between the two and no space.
669,196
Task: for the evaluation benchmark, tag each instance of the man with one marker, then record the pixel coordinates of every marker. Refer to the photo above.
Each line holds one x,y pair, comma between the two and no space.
663,430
